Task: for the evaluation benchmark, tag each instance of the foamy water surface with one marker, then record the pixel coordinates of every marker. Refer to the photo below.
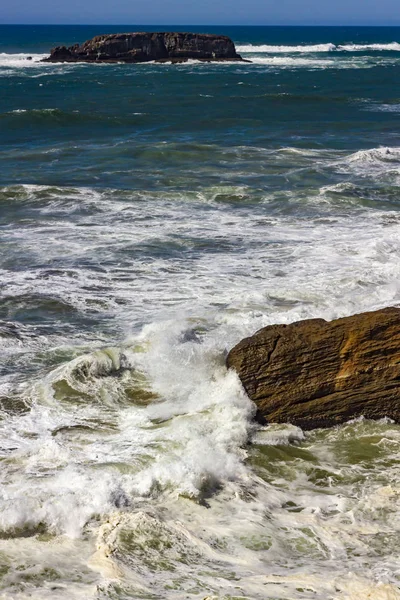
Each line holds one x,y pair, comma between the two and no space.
141,239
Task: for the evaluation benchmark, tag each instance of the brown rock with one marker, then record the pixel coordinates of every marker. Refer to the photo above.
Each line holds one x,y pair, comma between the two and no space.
146,46
316,373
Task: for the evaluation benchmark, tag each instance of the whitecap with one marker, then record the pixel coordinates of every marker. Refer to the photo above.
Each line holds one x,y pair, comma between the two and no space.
289,62
389,108
392,47
306,49
21,60
317,48
333,62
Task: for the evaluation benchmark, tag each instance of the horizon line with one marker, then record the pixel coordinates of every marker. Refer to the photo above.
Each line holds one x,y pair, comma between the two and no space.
198,25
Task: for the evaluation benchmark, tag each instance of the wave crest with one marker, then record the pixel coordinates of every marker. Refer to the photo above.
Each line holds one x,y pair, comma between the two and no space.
20,59
263,48
318,48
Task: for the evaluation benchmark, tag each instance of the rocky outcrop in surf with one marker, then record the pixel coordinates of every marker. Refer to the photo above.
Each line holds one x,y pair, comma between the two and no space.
316,373
146,46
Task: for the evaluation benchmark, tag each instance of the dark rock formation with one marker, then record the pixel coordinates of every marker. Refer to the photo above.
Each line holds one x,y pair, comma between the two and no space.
316,373
142,47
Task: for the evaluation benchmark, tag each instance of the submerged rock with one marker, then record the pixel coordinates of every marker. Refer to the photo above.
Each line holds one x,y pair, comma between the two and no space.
146,46
316,373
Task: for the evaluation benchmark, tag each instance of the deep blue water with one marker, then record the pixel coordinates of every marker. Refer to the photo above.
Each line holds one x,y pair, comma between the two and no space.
101,122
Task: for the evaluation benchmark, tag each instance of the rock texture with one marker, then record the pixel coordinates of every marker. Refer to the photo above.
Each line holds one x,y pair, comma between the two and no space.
142,47
317,374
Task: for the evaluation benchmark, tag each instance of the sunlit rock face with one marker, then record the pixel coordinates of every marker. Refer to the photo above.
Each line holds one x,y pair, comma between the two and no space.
316,373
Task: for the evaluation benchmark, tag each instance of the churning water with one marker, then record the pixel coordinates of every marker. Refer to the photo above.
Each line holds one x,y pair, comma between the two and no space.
151,216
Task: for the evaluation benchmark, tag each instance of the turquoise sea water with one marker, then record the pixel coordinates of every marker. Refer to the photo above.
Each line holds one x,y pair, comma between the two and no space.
151,216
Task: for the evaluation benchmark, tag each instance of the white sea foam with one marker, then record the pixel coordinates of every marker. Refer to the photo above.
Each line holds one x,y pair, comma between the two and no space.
328,62
377,155
390,108
132,433
289,62
9,63
38,69
393,47
354,587
21,60
278,435
383,163
263,48
195,452
319,56
317,48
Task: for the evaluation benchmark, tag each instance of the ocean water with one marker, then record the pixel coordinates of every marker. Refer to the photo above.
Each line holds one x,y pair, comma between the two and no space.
151,216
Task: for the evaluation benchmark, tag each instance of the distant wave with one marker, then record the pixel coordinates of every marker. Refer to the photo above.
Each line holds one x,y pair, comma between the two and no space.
393,47
298,62
250,48
285,49
20,60
286,61
391,108
377,156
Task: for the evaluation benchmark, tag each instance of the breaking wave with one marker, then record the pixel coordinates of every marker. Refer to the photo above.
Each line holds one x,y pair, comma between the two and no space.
318,48
20,59
285,49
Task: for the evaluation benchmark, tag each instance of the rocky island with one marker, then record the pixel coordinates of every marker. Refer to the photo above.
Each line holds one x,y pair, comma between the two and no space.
146,46
316,373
